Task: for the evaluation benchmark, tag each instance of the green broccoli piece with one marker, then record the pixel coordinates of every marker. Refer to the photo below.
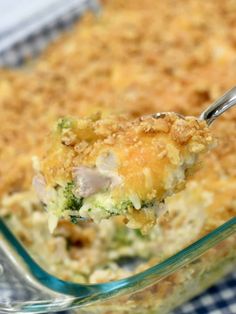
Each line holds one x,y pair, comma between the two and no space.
121,236
65,123
138,233
147,203
123,206
72,202
74,219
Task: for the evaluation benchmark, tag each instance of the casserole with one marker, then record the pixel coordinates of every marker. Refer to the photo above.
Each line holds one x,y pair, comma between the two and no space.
143,273
156,290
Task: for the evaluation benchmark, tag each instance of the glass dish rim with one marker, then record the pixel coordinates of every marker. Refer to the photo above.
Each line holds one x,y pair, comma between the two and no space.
83,292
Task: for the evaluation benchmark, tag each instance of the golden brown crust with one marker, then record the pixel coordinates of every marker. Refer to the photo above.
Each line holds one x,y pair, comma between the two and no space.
178,62
163,146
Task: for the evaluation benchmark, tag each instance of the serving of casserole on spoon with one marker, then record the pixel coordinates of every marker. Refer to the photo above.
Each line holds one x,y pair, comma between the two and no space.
98,167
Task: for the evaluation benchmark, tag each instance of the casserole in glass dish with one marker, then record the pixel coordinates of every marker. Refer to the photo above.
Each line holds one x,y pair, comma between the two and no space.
159,289
135,59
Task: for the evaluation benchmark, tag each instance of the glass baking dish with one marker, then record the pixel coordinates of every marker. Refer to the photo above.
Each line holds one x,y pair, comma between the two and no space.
25,287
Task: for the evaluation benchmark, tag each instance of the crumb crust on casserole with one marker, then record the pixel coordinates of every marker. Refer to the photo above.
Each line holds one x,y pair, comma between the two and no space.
112,63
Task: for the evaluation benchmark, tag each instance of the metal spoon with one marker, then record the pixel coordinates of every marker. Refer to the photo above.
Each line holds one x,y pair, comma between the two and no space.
215,110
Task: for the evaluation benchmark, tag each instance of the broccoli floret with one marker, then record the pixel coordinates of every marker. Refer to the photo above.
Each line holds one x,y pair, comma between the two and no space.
123,206
139,234
72,202
65,123
121,236
147,203
74,219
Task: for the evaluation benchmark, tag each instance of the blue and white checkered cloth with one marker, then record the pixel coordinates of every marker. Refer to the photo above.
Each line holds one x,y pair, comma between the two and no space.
28,33
219,299
26,27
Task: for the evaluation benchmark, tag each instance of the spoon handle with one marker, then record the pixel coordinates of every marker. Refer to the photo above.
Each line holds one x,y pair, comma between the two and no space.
224,103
